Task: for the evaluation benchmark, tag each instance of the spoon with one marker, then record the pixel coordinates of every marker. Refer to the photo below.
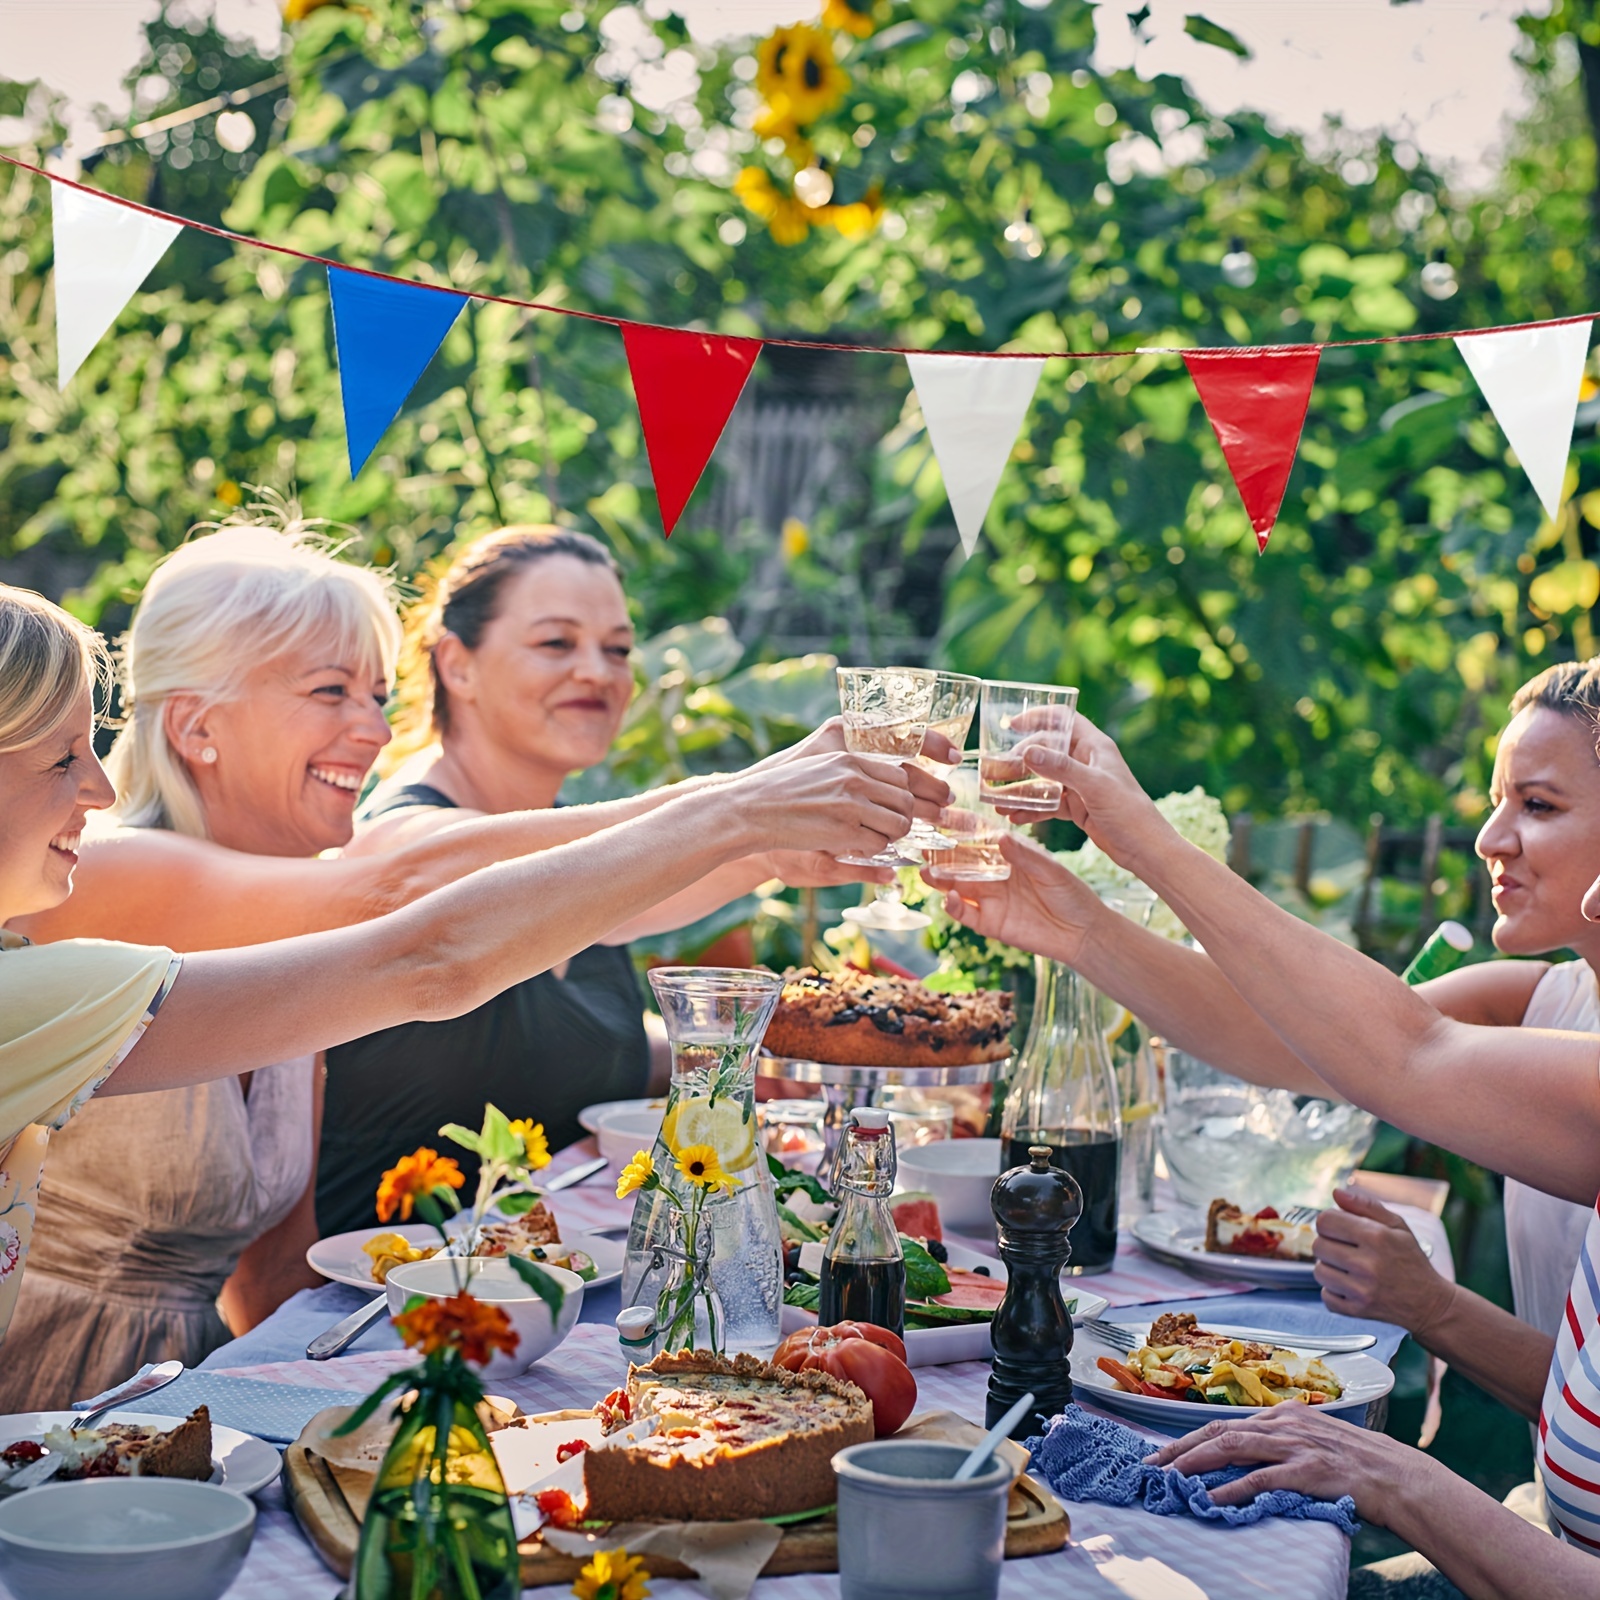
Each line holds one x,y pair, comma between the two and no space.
985,1446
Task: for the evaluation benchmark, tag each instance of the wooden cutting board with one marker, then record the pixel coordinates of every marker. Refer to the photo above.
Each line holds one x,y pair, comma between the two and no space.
328,1502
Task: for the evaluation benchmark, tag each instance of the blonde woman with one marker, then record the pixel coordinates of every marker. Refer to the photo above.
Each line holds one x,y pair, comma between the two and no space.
255,675
86,1015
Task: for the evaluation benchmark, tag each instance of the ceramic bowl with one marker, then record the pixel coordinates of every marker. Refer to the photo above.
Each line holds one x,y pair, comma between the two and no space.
959,1174
495,1282
135,1538
622,1134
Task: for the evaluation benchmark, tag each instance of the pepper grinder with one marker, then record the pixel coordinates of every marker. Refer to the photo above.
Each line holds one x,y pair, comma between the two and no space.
1034,1207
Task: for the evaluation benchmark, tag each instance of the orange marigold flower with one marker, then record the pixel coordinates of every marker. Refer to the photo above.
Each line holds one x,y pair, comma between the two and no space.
419,1173
462,1323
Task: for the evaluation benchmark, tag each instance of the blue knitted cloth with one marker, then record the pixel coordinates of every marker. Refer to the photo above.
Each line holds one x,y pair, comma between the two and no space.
1084,1457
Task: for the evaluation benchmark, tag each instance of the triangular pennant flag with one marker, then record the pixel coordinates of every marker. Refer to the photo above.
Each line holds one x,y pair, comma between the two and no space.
385,333
1257,400
973,406
103,253
686,385
1530,378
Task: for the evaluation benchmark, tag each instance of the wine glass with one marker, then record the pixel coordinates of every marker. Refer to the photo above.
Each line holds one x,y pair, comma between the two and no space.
886,712
955,699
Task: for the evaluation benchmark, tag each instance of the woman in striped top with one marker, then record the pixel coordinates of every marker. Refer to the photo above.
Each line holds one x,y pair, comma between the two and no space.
1533,1114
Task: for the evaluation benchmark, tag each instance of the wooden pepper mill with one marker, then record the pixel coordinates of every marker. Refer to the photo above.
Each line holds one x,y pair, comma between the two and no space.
1034,1206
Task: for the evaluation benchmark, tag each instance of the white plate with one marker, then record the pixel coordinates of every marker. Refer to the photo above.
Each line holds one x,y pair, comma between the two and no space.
590,1117
1180,1237
240,1461
960,1341
341,1258
1365,1379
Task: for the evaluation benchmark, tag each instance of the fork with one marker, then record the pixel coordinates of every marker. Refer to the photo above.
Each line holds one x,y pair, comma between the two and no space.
1119,1338
1305,1214
1109,1333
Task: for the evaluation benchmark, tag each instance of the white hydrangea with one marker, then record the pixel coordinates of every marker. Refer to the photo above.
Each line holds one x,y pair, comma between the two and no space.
1196,815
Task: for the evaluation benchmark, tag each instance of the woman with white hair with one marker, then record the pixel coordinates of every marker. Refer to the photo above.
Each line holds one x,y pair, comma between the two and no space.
87,1015
255,676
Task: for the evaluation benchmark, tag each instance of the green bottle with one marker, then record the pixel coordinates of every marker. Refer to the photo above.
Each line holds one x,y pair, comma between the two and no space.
1445,950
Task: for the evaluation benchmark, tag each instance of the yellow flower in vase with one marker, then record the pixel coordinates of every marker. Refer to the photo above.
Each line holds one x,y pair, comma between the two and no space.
534,1143
636,1174
699,1164
612,1575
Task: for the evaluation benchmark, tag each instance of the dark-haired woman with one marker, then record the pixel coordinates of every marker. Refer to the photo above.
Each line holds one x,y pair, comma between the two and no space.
517,673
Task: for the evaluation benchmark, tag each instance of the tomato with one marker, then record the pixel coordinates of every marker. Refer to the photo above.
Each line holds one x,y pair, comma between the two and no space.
804,1340
870,1357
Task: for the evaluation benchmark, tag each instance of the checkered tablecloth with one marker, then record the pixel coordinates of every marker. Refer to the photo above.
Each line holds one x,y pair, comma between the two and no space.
1115,1554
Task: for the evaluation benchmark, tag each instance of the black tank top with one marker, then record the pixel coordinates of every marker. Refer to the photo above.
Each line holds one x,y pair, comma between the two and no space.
544,1049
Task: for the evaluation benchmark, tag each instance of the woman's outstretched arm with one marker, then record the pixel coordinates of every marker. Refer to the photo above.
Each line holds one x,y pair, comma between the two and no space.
450,951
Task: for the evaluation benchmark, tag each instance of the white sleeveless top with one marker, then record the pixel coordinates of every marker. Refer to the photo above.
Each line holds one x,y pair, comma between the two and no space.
1544,1235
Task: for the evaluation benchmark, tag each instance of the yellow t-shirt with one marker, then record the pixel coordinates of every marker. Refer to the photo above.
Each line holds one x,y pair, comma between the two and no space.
69,1013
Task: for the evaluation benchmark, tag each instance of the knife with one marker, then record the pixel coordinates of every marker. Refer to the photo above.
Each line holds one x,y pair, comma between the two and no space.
343,1334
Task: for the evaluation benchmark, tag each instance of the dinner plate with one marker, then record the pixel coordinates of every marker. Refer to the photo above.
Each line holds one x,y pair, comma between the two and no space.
1364,1378
341,1258
960,1341
1180,1237
239,1461
591,1116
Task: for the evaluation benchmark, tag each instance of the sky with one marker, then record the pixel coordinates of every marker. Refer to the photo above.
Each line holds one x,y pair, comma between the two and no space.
1437,71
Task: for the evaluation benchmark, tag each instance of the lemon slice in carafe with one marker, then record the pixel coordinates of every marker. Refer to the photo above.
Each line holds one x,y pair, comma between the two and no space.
720,1124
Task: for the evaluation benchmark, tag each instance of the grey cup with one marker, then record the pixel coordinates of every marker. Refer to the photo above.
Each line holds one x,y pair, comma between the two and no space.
906,1530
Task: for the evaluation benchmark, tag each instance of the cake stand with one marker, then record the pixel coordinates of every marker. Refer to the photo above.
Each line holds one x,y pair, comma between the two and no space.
846,1086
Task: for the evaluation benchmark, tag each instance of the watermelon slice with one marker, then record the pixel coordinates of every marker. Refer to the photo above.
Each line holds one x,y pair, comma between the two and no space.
916,1215
971,1291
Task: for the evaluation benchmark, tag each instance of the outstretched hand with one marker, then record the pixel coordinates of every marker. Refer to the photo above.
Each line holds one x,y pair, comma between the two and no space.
1041,907
1370,1265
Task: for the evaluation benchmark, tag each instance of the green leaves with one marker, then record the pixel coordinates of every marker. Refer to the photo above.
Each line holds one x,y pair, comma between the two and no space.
1208,32
924,1276
541,1281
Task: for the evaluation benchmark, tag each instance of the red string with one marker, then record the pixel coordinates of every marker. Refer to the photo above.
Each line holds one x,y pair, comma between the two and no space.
793,344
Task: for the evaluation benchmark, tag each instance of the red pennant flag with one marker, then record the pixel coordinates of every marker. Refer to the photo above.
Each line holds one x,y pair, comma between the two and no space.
686,385
1257,400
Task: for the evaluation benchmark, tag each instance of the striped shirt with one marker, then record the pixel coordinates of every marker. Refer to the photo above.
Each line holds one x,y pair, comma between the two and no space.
1568,1449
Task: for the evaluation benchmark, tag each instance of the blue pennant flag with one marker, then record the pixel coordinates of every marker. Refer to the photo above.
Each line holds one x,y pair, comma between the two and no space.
386,333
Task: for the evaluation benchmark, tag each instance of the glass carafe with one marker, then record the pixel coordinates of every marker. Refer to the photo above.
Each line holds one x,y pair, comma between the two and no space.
1064,1094
704,1248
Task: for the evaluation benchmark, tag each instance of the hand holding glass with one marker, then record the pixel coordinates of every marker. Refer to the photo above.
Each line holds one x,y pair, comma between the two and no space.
1014,718
886,711
974,829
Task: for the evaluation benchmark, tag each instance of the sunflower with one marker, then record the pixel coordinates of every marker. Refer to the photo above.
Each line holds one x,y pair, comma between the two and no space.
788,220
797,74
860,217
636,1174
852,16
612,1575
536,1148
299,10
699,1164
461,1323
422,1172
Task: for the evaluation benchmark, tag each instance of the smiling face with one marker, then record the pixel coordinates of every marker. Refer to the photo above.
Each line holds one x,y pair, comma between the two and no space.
292,752
551,677
1542,841
47,788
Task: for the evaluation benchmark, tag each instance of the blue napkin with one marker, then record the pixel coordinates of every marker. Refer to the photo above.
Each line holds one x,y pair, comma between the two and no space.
273,1411
1084,1457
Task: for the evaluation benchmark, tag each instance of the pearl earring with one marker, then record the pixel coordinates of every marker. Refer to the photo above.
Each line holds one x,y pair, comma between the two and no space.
209,756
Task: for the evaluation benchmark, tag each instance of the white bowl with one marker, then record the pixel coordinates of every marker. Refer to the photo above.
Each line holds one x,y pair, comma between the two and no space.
135,1538
622,1134
959,1174
493,1280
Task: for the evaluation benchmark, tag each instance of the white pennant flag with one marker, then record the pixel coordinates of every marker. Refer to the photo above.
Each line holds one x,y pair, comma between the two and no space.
1530,378
974,408
103,253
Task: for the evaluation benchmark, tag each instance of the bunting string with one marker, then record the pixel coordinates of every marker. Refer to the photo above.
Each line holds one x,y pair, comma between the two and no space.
387,328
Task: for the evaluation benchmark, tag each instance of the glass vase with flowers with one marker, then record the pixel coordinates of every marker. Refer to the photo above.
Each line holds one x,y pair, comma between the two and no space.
438,1524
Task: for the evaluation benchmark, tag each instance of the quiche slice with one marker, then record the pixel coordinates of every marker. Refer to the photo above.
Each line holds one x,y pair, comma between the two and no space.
734,1439
135,1450
1230,1231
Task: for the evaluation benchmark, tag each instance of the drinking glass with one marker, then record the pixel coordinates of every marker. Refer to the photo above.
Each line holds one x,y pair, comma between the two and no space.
973,829
955,699
886,711
1012,718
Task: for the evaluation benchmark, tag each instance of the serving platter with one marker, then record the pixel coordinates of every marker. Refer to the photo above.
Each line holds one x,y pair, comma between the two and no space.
1180,1238
961,1341
239,1461
590,1118
341,1258
1364,1380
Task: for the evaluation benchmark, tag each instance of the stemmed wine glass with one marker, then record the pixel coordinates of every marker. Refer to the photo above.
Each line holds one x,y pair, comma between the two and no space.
955,699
